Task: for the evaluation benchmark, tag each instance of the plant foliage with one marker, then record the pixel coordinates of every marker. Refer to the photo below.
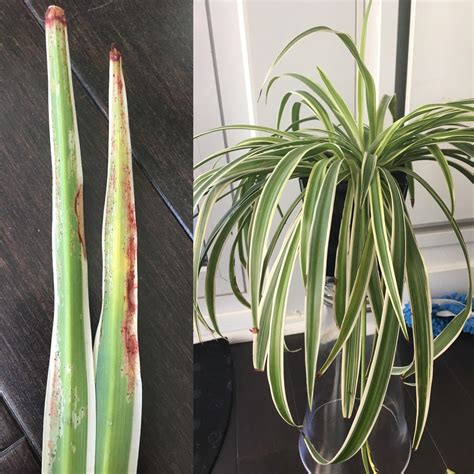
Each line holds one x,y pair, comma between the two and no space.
69,414
91,428
377,250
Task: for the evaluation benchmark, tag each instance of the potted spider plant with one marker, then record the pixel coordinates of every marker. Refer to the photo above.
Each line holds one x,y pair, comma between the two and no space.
360,167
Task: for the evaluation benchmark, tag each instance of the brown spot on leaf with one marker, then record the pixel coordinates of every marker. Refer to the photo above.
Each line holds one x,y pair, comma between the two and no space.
254,330
129,324
114,54
128,330
54,15
55,390
120,86
78,210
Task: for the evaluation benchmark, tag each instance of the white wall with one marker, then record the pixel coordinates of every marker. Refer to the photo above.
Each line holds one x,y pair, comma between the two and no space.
440,69
235,42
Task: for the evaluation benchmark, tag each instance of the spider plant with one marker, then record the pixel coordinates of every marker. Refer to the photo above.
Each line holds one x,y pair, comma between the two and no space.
77,437
377,252
69,421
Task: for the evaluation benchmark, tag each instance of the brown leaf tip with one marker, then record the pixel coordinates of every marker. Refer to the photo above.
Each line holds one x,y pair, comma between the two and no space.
54,15
114,53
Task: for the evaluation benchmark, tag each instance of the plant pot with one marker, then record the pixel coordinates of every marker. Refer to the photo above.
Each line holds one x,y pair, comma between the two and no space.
213,387
324,426
341,191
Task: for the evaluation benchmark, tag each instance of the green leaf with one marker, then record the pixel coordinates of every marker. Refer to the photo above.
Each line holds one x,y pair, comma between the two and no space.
351,351
232,276
264,213
348,121
346,39
295,115
199,233
383,249
359,88
312,193
69,421
116,348
386,103
374,393
276,370
449,334
443,164
356,301
420,301
369,164
256,128
379,372
315,106
281,225
214,258
319,240
282,107
350,369
341,293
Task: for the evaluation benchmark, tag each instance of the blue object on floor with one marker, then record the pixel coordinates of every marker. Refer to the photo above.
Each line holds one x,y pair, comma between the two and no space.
443,310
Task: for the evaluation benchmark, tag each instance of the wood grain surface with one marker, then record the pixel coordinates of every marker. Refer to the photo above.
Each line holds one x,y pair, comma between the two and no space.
258,441
164,250
155,38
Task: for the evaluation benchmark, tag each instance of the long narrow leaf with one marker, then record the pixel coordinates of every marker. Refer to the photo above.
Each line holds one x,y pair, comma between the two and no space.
264,213
449,334
383,249
443,164
420,301
319,241
69,413
356,300
276,370
369,164
341,293
312,194
116,350
374,394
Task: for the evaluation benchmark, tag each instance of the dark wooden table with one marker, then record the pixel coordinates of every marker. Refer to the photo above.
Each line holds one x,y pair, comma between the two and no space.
155,38
259,442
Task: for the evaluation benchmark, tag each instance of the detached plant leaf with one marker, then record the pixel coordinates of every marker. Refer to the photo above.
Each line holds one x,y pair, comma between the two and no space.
117,363
69,416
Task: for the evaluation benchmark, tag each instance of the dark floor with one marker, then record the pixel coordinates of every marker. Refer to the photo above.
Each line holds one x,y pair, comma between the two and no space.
259,442
156,43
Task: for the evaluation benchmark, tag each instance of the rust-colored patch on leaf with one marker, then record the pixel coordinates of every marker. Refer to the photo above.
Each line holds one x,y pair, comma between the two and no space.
54,419
120,86
116,57
129,324
54,15
55,390
79,211
114,54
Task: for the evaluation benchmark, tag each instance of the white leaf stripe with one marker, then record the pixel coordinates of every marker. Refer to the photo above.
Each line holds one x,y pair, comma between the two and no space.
382,248
420,301
319,241
276,371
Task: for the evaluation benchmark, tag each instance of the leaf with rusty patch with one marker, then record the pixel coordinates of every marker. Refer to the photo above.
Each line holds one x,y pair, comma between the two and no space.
118,380
69,416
